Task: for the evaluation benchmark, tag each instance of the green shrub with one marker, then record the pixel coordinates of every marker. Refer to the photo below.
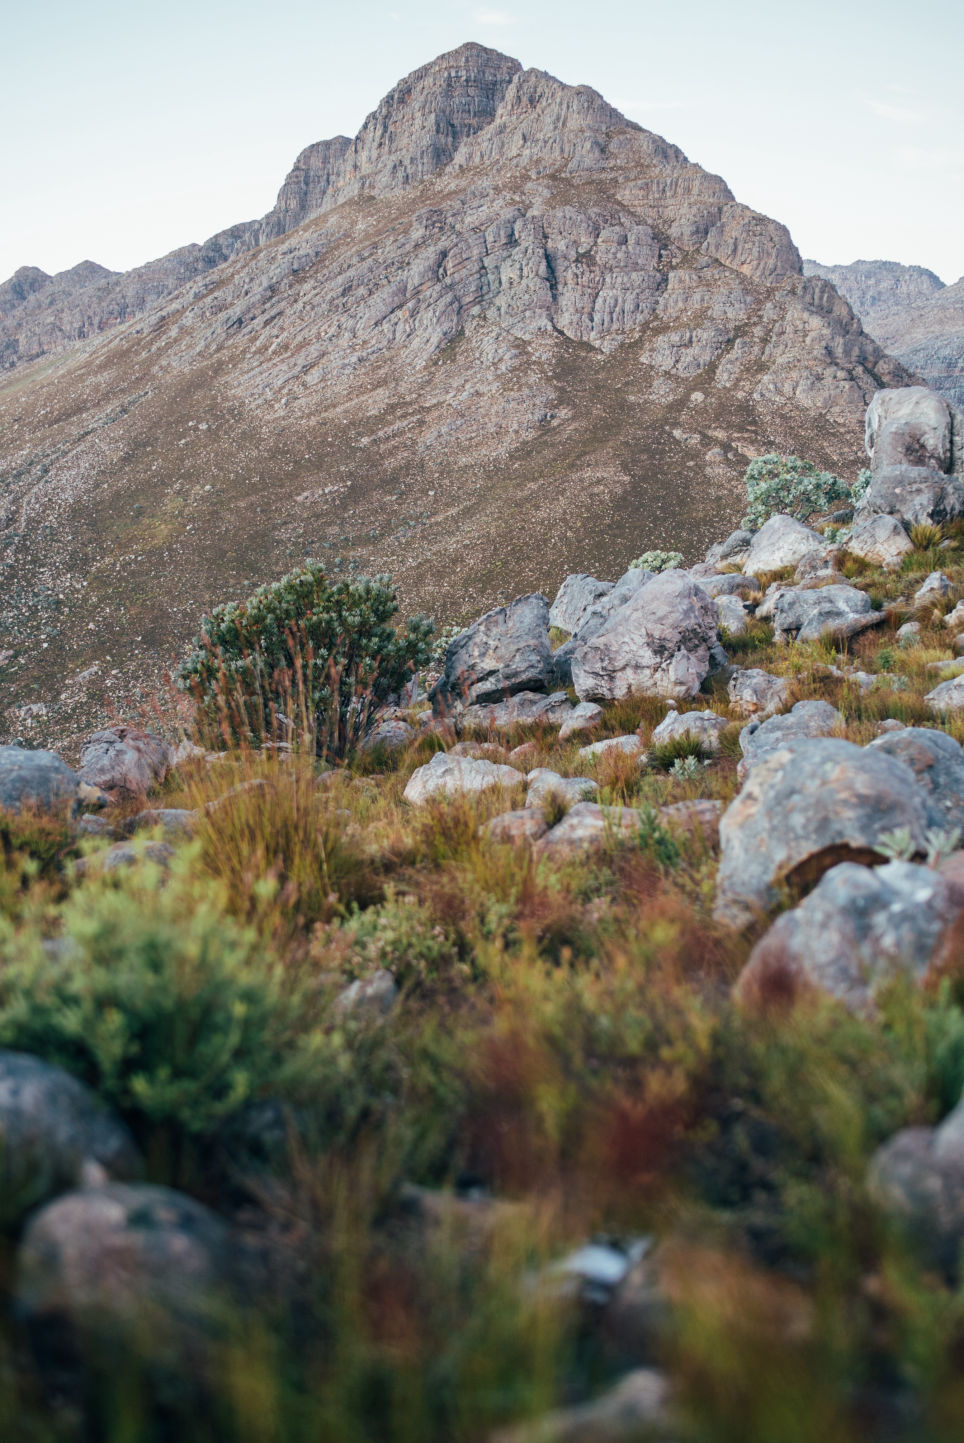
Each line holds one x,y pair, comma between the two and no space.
790,486
657,561
305,656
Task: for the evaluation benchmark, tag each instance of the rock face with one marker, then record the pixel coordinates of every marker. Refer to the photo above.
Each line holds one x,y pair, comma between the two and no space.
41,781
910,438
858,929
575,597
658,643
802,810
505,651
124,762
500,280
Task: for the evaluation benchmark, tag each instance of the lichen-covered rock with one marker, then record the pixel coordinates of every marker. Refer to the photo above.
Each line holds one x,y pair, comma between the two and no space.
704,726
42,782
55,1134
947,697
525,706
914,494
124,762
881,540
449,776
583,718
727,583
757,693
574,599
937,761
781,541
544,784
911,426
934,587
587,826
918,1176
658,643
506,651
805,808
631,744
857,930
833,611
810,718
523,825
731,615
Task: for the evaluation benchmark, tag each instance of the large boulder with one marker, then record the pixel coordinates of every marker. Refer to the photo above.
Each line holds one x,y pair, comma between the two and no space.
880,540
603,607
448,776
544,785
914,494
858,929
125,762
810,718
781,541
757,693
918,1177
658,643
948,696
804,809
834,611
575,597
55,1134
525,706
504,652
587,827
732,551
937,762
704,727
909,426
35,781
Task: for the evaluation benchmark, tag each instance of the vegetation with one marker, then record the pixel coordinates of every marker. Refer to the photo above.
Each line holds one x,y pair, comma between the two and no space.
793,487
657,561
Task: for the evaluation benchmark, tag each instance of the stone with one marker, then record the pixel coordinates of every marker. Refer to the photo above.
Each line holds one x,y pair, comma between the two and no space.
124,762
390,736
631,582
658,643
856,931
837,612
909,426
948,696
937,762
890,724
368,999
525,825
583,718
805,808
38,781
587,826
574,599
735,545
130,854
810,718
881,540
632,745
55,1135
909,631
820,565
757,693
705,726
918,1176
488,751
527,707
700,817
914,494
933,588
523,753
177,823
447,776
781,541
506,651
92,826
731,615
729,583
954,619
543,785
635,1408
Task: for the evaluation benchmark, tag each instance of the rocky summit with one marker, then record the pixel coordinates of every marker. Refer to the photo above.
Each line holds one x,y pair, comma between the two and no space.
502,331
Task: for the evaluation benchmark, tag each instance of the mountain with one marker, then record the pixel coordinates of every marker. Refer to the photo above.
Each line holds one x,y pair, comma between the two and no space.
500,332
913,315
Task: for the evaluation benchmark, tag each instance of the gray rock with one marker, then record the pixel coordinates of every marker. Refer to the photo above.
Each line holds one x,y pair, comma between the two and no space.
369,998
42,782
389,736
735,545
632,745
704,726
908,631
909,426
757,693
820,565
833,611
91,826
524,707
781,541
583,717
933,588
55,1134
130,854
504,652
914,494
635,1408
731,614
881,540
947,697
937,762
449,776
857,930
730,583
586,827
804,809
657,643
631,582
918,1176
525,825
176,823
810,718
125,762
544,784
698,817
574,599
954,620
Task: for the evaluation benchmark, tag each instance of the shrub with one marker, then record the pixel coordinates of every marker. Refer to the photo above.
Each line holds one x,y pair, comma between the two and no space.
789,485
925,535
657,561
306,656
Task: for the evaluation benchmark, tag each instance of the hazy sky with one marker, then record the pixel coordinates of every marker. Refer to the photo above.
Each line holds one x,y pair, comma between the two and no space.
128,129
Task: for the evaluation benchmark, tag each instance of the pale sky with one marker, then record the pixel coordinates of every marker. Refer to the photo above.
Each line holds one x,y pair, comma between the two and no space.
127,130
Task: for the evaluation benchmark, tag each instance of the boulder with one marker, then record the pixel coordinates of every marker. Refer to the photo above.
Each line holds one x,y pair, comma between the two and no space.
729,583
129,854
731,615
449,776
820,565
544,784
937,762
176,823
947,697
909,426
918,1177
574,599
914,494
390,736
700,817
735,545
781,541
833,611
811,718
35,781
55,1134
857,930
909,632
504,652
526,706
368,999
657,643
582,718
881,540
632,745
757,693
587,826
598,614
804,809
525,825
954,620
125,762
635,1408
933,588
704,726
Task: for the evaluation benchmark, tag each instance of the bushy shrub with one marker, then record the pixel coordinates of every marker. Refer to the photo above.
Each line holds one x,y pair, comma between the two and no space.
657,561
790,486
306,656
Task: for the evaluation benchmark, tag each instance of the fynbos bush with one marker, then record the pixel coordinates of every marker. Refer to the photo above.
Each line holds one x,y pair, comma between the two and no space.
657,561
790,486
306,657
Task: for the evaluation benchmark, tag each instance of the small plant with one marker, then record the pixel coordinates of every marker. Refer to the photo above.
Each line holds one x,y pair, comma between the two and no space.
657,561
654,839
789,485
441,642
885,659
687,769
940,843
897,845
664,756
925,536
862,484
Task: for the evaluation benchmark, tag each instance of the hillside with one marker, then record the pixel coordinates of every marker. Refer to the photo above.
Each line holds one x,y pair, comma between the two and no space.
501,329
